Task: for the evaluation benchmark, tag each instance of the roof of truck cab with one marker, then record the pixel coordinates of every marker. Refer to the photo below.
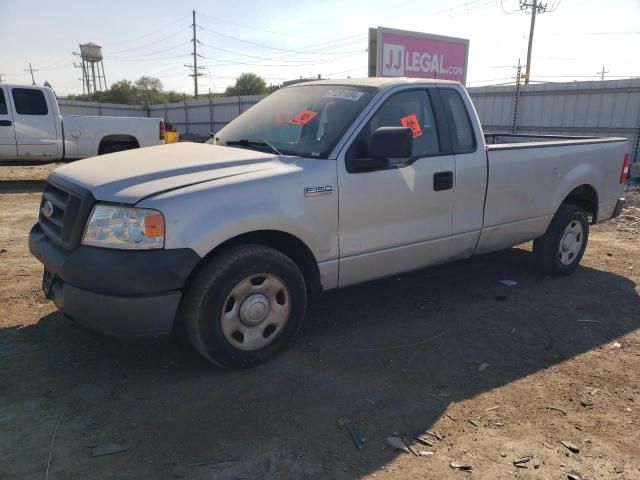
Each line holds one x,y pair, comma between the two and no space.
22,85
376,82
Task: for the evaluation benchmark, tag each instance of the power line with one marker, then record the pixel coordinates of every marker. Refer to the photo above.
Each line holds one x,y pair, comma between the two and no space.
593,33
155,31
154,59
155,42
224,62
505,10
55,63
260,44
157,52
262,58
254,28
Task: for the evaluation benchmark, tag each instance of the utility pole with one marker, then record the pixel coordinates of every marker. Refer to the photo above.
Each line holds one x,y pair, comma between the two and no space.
534,10
602,72
516,100
195,67
31,70
536,7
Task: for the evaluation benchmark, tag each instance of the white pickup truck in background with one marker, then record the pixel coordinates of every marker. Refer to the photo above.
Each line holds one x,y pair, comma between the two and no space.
319,186
32,128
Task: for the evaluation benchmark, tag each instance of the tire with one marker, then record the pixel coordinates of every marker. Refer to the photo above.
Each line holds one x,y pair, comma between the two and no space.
559,251
244,305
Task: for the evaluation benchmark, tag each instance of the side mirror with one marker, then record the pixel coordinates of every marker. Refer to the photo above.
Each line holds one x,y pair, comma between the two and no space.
386,143
392,142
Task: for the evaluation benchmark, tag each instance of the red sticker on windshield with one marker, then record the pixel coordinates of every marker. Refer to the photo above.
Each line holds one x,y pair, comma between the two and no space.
303,117
411,121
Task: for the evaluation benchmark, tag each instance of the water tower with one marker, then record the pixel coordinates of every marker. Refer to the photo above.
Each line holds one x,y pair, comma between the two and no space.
92,67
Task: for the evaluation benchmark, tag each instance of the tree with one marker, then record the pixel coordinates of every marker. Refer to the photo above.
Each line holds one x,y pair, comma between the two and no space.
149,83
122,91
248,84
144,91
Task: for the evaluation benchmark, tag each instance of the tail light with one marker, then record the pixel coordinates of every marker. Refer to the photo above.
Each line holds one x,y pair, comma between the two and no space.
624,174
161,129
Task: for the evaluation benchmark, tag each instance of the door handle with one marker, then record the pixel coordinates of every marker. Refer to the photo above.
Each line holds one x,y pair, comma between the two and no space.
442,181
5,123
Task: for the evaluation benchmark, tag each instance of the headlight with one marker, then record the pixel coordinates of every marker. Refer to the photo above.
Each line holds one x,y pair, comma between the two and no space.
128,228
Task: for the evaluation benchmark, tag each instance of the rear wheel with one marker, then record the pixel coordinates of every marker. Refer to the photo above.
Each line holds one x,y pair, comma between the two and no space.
560,249
244,305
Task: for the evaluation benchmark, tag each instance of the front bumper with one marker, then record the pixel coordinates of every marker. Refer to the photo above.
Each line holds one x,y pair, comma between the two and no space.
115,292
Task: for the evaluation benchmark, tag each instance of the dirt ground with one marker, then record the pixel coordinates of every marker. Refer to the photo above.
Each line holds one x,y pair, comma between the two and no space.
499,372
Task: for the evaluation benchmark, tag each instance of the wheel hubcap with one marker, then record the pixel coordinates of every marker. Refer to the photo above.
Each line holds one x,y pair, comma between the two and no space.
255,311
571,243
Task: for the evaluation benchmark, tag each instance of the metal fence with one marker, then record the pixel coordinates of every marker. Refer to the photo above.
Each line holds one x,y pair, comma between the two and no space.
601,108
205,115
608,108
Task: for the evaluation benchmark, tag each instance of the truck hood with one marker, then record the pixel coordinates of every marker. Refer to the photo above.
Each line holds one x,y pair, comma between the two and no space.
130,176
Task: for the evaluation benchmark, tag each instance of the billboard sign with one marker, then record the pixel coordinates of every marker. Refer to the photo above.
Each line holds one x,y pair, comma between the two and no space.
399,53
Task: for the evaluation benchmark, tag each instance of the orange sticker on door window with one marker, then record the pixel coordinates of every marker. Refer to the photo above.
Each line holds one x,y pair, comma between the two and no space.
411,121
303,117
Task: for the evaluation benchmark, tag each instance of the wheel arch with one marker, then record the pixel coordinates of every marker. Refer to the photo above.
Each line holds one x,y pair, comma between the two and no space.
286,243
586,197
117,139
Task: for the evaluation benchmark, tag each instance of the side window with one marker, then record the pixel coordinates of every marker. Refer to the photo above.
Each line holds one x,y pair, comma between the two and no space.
29,101
3,103
405,109
462,132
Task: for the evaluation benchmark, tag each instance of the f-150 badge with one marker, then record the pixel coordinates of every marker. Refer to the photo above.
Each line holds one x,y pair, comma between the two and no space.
319,190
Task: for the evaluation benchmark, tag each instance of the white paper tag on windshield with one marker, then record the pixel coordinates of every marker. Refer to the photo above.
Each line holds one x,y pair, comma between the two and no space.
344,94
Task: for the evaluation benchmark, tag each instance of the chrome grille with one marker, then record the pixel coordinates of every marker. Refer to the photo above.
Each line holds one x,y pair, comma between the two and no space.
58,226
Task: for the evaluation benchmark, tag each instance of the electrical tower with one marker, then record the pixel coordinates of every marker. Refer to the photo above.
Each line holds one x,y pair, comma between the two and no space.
536,7
195,68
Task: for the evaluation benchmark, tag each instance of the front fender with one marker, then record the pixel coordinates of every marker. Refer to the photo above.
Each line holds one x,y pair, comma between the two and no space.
202,217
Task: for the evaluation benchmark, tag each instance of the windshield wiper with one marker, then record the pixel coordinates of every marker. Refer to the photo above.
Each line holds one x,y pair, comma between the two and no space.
253,142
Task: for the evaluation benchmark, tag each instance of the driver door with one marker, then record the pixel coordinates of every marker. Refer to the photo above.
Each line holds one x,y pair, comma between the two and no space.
8,149
398,218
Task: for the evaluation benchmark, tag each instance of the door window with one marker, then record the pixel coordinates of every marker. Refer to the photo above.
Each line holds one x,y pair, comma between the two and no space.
29,101
405,109
462,135
3,103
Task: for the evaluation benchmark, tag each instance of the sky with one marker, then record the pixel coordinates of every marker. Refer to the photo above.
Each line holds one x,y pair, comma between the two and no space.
286,39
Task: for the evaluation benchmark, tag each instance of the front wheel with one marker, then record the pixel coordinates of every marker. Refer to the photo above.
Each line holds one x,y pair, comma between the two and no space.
560,249
244,305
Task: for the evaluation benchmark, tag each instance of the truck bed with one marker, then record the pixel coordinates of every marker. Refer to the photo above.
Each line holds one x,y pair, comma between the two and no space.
500,140
530,175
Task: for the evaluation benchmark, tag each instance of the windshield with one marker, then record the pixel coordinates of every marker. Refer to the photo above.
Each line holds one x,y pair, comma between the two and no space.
307,120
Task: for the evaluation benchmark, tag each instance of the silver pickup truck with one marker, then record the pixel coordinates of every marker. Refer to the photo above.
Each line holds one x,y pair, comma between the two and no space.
319,186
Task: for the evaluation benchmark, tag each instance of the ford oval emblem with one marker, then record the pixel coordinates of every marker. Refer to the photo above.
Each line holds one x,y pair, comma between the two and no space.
47,209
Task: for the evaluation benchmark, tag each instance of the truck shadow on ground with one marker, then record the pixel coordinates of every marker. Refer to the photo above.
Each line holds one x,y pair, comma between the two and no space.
21,186
390,355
